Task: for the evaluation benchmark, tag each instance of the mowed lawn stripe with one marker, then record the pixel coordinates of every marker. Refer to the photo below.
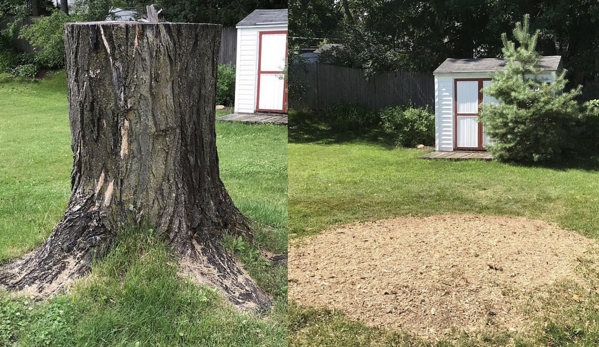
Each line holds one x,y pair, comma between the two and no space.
333,184
35,162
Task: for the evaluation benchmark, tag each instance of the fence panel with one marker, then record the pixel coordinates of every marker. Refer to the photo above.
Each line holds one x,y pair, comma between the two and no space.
324,85
228,47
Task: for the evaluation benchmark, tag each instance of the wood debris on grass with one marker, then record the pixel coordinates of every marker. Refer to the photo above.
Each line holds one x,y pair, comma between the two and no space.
427,276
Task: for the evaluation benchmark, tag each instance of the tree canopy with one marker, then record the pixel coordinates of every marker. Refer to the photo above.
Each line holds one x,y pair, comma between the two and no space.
46,31
419,35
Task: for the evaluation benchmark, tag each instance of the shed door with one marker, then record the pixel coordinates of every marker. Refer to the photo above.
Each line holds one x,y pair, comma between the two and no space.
469,132
272,87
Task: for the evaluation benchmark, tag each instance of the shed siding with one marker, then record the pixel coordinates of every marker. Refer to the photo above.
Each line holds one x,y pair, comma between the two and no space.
246,73
444,113
246,70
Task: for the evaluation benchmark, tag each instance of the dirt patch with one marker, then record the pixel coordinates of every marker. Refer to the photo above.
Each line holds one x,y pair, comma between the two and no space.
427,275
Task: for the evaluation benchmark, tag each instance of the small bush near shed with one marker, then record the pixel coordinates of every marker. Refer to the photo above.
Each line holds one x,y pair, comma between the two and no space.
409,126
225,85
46,35
343,116
24,71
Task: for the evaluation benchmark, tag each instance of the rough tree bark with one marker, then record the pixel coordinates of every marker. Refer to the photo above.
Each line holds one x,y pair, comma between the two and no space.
142,112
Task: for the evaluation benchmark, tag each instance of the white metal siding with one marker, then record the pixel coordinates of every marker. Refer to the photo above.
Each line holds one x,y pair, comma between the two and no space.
545,76
246,70
246,75
443,113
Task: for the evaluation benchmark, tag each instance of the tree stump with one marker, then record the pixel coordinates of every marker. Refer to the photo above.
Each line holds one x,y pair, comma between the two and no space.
142,113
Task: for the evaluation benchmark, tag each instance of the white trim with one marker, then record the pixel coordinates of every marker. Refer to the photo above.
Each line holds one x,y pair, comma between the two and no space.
544,74
277,25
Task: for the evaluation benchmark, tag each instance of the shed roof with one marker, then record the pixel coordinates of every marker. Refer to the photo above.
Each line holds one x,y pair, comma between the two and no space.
452,65
264,17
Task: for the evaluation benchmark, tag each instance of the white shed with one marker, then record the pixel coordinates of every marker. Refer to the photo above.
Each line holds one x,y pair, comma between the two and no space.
260,84
458,85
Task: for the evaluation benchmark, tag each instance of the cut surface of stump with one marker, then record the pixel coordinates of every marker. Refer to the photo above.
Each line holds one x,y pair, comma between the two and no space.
141,110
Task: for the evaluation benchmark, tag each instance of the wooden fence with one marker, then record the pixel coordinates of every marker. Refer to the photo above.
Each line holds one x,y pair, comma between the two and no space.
316,86
228,47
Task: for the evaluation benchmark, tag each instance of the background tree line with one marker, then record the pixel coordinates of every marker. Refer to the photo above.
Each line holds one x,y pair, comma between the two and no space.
408,35
227,13
45,31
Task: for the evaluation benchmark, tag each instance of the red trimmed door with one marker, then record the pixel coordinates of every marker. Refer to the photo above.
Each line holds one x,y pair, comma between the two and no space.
272,86
468,131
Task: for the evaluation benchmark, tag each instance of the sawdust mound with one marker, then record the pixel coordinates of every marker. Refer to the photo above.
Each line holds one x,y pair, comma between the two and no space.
427,275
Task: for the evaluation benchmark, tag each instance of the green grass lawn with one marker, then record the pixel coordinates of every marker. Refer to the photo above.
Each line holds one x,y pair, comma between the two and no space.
336,179
340,183
132,300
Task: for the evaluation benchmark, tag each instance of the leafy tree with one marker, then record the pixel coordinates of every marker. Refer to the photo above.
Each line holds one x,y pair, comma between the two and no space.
414,35
93,10
312,20
12,14
13,8
382,35
571,29
227,13
535,120
9,7
46,35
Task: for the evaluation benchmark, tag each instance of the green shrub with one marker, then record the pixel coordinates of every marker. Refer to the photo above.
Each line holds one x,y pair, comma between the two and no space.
409,126
587,143
225,85
343,116
25,71
46,35
9,54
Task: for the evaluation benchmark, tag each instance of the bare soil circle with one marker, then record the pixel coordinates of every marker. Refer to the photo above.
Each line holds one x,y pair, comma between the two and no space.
428,275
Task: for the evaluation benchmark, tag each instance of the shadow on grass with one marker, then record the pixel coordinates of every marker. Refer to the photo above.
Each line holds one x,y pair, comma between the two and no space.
588,163
307,127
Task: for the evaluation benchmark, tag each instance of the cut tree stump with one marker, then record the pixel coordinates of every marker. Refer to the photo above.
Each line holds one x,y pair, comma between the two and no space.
142,113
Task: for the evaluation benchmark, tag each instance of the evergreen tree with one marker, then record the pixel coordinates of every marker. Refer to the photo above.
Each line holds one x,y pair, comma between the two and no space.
535,120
